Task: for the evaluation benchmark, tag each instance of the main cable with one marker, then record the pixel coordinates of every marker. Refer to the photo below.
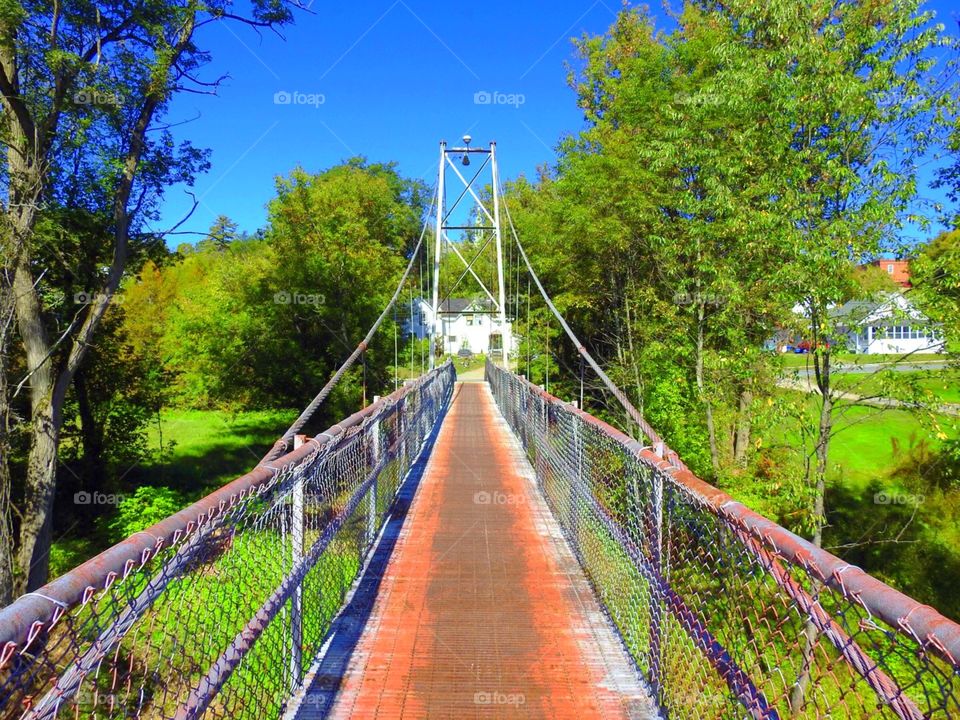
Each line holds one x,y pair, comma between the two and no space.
632,412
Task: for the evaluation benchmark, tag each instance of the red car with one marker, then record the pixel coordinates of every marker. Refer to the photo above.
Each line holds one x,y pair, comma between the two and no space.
805,346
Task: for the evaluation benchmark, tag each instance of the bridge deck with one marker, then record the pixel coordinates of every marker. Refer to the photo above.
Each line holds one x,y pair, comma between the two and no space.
483,611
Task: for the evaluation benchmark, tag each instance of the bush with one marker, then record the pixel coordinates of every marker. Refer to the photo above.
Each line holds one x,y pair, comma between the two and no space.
148,505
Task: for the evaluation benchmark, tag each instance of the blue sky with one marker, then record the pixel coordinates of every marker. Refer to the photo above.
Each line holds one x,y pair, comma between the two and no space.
386,79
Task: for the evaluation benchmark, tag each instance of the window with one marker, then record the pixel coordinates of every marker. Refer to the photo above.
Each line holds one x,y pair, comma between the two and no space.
890,268
451,338
469,319
905,332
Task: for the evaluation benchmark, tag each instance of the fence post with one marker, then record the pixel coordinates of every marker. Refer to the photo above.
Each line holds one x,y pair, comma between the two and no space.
296,598
402,426
576,484
374,461
656,595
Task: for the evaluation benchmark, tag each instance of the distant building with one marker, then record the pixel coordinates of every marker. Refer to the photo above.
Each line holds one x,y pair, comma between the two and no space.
898,270
890,324
465,323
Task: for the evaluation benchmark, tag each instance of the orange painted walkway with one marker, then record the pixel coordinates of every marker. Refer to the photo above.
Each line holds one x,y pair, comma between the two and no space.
483,611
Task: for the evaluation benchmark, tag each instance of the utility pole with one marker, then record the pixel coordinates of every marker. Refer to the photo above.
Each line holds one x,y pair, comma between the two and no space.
504,329
438,243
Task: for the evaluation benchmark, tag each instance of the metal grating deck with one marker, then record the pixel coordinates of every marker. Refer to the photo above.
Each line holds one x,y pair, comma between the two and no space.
483,611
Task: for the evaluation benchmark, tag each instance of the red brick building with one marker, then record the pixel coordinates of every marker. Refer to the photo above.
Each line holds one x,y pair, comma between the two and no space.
898,270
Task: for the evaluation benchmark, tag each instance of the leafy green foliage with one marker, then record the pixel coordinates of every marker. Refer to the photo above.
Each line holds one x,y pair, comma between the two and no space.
936,278
219,318
147,506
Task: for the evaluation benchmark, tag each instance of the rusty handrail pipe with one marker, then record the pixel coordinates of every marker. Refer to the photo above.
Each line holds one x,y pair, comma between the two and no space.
890,605
48,603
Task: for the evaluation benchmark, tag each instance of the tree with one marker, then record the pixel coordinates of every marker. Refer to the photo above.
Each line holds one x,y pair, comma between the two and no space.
936,280
870,281
217,320
222,232
83,94
949,177
664,210
855,104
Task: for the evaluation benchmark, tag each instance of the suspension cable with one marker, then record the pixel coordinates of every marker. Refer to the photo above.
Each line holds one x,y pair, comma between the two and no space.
632,412
284,442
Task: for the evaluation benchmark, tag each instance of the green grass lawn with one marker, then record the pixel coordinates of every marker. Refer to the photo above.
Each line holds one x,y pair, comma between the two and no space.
794,360
868,443
942,385
865,447
204,449
477,362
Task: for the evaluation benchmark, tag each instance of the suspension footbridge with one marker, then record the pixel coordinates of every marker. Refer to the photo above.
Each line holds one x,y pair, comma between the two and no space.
472,549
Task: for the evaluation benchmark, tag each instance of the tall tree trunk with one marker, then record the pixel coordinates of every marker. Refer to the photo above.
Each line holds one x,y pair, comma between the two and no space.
821,365
741,440
91,432
33,556
701,390
24,187
6,487
27,161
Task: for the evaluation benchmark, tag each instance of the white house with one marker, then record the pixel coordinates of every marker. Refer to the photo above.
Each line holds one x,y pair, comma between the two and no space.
465,323
891,324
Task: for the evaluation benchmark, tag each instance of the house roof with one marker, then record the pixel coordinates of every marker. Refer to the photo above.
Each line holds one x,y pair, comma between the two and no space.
456,306
861,312
855,310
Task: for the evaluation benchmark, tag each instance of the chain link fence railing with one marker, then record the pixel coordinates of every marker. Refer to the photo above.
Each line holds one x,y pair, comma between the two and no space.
725,613
217,611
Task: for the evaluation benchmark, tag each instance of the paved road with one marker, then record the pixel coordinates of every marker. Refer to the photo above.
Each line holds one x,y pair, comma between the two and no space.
475,375
874,367
483,611
807,383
